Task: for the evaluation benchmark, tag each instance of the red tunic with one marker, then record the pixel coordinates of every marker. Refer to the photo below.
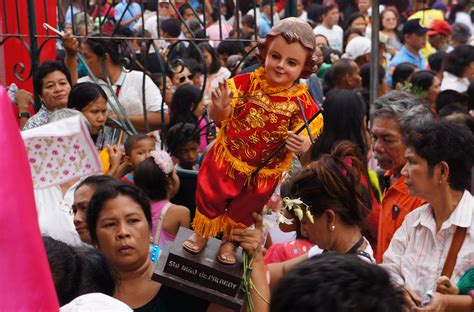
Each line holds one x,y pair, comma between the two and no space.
259,121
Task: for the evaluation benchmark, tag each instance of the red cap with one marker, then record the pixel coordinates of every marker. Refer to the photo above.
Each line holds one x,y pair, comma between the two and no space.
440,27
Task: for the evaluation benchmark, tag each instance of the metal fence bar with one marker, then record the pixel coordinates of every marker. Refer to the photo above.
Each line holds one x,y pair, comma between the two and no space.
181,18
45,12
255,15
86,21
271,12
237,17
374,64
219,19
18,24
121,18
34,52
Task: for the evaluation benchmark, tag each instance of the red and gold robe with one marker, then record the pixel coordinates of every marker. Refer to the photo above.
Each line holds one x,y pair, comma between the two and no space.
260,119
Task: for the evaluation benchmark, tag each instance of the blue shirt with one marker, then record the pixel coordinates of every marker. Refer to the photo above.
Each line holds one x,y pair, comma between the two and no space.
195,4
404,56
263,22
132,10
69,15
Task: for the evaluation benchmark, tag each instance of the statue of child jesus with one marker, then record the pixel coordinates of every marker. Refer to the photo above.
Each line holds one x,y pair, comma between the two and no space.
257,112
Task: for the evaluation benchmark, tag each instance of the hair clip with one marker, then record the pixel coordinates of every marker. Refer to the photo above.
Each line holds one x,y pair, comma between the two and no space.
348,162
163,160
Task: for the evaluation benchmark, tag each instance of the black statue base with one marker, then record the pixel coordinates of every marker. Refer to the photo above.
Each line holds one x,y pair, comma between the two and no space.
201,275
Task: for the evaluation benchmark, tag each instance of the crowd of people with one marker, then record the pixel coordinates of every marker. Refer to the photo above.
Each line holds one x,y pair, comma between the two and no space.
379,193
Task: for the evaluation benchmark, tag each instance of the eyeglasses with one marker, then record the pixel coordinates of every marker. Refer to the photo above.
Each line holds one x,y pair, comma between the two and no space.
182,79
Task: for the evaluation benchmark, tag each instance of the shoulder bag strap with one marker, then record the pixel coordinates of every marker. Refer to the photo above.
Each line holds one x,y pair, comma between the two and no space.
160,223
456,245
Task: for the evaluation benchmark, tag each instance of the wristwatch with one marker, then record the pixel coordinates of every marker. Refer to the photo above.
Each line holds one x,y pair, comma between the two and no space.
24,115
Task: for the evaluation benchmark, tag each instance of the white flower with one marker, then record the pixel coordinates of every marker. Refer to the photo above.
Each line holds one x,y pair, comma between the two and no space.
296,205
282,219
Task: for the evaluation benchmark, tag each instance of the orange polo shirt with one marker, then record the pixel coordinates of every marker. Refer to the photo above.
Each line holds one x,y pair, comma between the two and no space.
396,204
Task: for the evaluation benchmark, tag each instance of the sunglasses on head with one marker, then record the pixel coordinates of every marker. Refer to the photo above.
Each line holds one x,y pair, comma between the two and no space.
183,78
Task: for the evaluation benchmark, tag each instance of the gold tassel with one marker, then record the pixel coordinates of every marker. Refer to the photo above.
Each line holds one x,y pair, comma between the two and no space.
235,164
206,227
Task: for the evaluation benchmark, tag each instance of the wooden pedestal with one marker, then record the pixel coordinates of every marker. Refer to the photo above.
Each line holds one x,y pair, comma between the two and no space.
201,275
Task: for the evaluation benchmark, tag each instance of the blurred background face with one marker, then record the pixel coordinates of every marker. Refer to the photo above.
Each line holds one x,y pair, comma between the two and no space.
223,9
207,58
389,20
332,17
359,23
321,42
164,9
433,91
188,14
299,7
469,71
363,5
267,10
354,79
415,41
439,42
93,61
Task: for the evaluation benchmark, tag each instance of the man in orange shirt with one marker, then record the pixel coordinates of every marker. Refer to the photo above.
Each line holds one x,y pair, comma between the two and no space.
391,116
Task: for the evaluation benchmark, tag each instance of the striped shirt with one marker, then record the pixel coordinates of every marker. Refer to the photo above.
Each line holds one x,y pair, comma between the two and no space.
416,255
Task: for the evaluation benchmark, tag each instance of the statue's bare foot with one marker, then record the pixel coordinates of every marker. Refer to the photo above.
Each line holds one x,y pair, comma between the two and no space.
195,243
226,254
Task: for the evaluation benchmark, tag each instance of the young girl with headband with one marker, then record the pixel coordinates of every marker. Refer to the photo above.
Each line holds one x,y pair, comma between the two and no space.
156,177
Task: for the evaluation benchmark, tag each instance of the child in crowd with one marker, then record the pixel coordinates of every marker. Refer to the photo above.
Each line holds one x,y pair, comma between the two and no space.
157,177
257,115
137,148
188,107
248,26
182,142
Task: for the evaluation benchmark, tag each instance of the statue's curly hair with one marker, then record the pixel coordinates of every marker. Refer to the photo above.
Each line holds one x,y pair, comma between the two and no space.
293,30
